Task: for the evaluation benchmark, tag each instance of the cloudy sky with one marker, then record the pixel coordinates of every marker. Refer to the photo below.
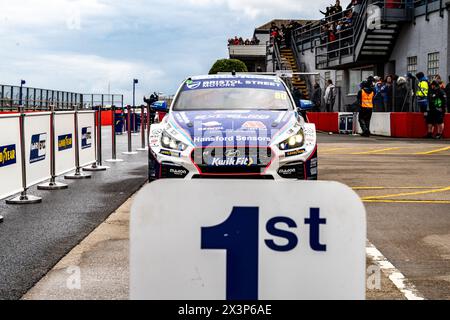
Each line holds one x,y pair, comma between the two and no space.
90,45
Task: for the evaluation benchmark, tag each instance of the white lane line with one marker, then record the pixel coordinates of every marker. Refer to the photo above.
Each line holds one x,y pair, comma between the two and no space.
399,280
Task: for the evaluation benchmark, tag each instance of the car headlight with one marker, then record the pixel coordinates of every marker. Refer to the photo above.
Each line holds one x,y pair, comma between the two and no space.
293,142
169,142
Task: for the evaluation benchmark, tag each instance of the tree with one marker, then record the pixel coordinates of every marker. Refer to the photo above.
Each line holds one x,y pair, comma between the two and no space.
228,65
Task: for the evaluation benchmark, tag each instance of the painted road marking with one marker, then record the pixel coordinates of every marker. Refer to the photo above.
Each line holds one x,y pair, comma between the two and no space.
409,201
395,188
335,149
406,194
376,151
433,151
397,278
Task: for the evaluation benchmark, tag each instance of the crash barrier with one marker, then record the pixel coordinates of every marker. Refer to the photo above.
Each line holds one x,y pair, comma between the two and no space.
390,124
249,240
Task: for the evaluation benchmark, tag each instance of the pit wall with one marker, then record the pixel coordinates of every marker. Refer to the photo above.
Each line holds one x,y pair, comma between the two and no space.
396,124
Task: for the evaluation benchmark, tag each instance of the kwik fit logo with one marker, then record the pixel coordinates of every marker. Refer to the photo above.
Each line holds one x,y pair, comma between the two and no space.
65,142
7,155
38,147
86,137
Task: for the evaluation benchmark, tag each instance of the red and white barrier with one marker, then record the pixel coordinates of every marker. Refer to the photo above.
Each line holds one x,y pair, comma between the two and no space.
396,124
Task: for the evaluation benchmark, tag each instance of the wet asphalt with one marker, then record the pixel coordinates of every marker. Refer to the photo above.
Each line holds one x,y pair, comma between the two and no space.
33,238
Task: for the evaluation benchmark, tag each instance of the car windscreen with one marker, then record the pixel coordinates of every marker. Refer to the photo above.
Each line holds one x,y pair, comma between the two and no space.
223,95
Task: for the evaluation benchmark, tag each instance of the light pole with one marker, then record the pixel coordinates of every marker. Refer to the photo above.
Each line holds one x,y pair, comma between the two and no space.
22,82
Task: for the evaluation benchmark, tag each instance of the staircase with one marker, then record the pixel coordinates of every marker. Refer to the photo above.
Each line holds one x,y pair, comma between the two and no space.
374,38
288,60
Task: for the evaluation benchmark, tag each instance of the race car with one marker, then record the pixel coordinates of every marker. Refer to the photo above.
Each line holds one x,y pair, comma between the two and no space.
233,126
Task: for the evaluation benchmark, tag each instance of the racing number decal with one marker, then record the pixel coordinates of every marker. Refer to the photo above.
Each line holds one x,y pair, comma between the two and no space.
239,236
280,96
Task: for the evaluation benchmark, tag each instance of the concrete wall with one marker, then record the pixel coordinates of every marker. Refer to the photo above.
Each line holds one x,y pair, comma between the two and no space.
421,39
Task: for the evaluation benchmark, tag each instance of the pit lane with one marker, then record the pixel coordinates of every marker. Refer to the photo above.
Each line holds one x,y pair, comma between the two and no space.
405,185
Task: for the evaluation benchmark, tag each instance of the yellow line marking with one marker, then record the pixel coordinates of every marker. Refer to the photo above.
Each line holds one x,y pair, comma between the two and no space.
335,149
375,151
395,188
433,151
406,194
409,201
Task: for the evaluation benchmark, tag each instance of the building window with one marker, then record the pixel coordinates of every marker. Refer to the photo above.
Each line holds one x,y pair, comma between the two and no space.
433,64
356,77
327,75
411,66
317,78
339,77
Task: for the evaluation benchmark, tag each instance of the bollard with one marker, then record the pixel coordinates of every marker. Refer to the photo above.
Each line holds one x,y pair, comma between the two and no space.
130,150
98,166
355,120
52,184
143,130
113,136
134,131
24,198
78,174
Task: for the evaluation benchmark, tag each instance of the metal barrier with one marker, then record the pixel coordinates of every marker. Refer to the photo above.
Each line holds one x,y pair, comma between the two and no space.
68,121
129,129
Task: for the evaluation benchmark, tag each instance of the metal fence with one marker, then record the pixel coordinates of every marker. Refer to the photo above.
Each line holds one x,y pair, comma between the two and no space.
36,99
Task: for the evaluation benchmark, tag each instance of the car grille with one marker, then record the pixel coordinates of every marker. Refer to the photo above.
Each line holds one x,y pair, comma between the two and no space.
222,160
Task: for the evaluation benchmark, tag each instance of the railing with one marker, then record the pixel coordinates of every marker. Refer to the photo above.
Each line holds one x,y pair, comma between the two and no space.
369,15
36,99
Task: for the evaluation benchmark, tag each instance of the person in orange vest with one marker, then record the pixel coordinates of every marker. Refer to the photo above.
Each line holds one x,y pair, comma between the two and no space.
365,102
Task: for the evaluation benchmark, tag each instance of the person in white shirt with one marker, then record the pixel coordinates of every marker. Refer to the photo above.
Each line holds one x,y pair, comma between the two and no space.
330,96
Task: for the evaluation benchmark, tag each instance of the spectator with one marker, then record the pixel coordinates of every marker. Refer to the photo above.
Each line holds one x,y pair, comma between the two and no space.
422,92
378,100
365,103
317,97
435,115
447,93
401,95
386,92
330,96
439,80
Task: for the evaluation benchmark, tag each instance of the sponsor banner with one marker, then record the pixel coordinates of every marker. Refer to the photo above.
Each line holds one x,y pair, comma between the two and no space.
37,147
65,142
227,83
10,153
65,145
86,136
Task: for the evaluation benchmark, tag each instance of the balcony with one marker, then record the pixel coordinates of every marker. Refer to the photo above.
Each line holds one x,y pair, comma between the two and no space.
247,51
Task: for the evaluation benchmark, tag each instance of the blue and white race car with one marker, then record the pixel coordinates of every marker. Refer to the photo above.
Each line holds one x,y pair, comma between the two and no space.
233,126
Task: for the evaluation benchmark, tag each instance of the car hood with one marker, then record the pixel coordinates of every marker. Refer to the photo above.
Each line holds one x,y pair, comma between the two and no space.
241,127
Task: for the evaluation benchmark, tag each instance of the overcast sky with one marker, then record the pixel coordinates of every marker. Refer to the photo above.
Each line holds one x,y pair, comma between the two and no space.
86,45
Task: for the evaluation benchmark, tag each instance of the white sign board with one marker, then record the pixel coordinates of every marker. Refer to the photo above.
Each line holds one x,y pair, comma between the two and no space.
247,240
86,137
37,147
10,160
64,142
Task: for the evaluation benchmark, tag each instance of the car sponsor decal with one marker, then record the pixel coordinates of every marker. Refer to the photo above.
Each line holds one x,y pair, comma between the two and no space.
224,83
7,155
295,153
170,153
251,125
65,142
86,137
38,147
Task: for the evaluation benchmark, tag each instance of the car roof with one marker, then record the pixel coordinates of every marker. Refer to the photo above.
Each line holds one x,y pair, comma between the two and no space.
237,76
